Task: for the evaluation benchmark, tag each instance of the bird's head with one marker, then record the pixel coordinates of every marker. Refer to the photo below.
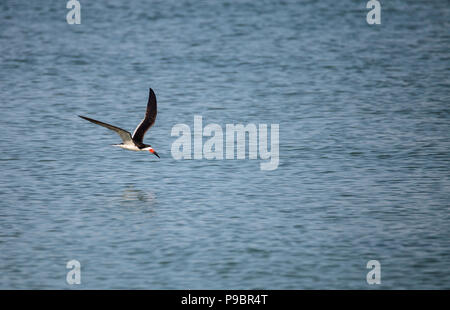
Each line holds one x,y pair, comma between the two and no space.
151,150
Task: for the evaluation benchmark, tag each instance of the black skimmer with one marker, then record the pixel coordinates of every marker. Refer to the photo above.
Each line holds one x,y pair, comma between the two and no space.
134,142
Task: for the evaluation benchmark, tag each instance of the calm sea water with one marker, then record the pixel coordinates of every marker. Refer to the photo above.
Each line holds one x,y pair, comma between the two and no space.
364,145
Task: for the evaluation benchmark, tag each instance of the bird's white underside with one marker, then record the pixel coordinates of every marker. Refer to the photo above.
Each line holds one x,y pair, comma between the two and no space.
132,147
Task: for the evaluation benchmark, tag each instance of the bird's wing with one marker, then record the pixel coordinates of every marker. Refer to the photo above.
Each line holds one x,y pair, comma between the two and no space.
148,121
125,135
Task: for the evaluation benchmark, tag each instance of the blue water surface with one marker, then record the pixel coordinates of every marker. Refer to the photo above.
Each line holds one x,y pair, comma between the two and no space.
364,120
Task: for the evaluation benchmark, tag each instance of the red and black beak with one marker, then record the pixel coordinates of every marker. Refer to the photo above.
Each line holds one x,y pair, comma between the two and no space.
154,152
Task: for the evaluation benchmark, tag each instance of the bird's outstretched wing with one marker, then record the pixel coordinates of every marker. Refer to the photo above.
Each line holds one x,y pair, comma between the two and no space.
148,121
125,135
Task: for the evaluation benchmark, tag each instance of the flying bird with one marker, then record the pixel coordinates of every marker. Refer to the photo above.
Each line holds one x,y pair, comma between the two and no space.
134,142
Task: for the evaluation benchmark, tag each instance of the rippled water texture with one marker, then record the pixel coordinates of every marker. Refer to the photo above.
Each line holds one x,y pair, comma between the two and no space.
364,145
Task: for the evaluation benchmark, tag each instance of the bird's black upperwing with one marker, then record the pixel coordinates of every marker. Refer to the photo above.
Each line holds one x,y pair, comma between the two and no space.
148,121
125,135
